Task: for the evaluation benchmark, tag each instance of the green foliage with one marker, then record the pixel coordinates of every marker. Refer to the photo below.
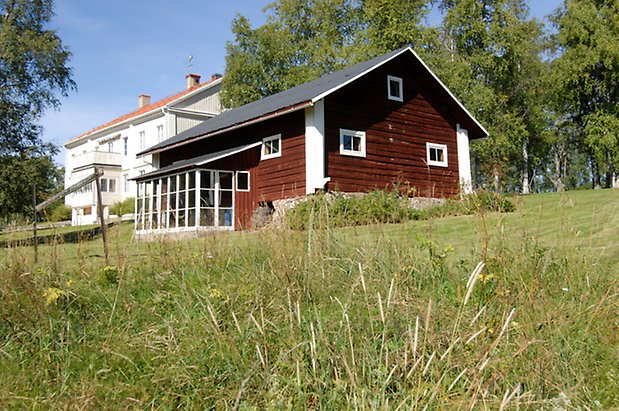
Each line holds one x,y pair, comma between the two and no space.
18,174
33,70
126,206
477,202
340,210
303,40
109,275
586,73
58,212
380,206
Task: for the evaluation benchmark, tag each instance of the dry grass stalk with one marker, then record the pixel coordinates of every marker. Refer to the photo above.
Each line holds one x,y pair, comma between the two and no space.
251,316
236,323
453,384
427,367
475,335
472,280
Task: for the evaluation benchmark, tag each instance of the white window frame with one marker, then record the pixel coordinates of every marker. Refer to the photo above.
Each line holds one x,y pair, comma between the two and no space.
354,133
125,146
159,134
236,183
266,140
400,82
142,135
436,146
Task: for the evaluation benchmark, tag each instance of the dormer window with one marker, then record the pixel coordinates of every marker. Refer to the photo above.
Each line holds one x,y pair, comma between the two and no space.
394,88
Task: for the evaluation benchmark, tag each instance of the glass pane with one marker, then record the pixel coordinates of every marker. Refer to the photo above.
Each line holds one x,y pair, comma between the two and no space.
172,219
225,181
181,200
191,218
207,198
192,179
173,201
275,146
192,198
182,180
181,218
206,179
207,217
356,143
395,88
225,198
173,183
225,217
347,143
242,181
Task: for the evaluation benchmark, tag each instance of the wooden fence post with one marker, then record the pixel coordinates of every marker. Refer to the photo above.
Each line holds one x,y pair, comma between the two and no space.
100,212
35,239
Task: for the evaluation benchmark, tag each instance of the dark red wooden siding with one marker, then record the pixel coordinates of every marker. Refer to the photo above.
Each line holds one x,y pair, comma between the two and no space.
396,135
272,179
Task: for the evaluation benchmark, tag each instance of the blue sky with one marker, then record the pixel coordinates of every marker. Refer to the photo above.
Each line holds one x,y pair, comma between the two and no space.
122,49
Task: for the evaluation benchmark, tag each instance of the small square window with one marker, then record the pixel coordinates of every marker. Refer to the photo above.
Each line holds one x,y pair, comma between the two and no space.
352,143
437,154
394,88
271,147
242,181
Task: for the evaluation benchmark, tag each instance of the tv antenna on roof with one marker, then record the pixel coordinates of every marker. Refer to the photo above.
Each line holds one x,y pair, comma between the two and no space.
190,61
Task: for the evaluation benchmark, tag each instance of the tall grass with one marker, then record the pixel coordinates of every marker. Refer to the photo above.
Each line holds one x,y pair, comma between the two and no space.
398,316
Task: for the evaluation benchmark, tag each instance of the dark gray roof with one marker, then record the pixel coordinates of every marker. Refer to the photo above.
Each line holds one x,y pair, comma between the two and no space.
308,93
194,162
274,103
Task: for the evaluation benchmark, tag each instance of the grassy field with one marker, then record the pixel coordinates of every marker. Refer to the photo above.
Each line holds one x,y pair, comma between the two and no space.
385,316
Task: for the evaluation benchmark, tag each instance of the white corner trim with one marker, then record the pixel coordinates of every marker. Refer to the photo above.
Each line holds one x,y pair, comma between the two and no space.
464,160
315,147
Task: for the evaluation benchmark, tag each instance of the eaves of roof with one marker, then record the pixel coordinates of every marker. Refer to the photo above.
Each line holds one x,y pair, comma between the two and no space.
146,110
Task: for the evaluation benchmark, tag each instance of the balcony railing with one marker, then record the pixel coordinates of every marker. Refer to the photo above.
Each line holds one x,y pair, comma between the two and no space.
102,158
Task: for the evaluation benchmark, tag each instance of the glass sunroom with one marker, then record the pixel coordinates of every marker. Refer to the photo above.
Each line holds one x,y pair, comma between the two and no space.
193,200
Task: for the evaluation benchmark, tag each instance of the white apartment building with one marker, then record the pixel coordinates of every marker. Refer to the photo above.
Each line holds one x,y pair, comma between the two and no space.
113,146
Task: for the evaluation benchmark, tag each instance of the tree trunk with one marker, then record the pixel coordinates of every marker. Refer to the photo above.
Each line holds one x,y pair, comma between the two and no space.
557,178
496,181
595,171
526,189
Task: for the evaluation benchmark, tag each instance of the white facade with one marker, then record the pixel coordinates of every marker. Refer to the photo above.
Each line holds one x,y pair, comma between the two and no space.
113,147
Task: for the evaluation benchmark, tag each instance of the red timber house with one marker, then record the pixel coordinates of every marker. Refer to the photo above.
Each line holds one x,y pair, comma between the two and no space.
385,121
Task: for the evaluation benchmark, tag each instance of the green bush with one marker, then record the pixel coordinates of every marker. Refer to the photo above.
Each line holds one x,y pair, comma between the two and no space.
59,212
475,202
381,206
123,207
339,210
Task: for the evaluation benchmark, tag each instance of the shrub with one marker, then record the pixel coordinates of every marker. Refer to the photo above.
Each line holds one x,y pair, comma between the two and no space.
480,200
126,206
60,212
381,206
339,210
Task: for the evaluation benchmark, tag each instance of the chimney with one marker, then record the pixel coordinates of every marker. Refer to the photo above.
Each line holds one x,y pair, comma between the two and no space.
192,80
216,76
143,100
